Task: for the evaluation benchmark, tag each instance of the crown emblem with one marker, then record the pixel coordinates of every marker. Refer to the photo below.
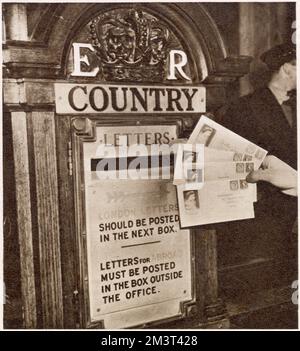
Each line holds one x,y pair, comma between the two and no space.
131,45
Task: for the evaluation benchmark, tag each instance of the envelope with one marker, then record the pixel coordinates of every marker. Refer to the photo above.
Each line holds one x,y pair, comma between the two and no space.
215,202
216,155
227,170
213,135
187,156
197,177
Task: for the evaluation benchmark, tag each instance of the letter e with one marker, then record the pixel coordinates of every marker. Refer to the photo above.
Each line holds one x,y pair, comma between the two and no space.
77,61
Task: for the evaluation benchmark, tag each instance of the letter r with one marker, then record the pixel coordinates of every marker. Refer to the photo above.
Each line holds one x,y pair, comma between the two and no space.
173,66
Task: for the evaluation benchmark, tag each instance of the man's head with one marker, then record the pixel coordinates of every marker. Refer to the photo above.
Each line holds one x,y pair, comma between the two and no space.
281,61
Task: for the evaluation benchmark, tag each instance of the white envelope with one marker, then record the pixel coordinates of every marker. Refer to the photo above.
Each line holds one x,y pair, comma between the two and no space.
213,135
217,201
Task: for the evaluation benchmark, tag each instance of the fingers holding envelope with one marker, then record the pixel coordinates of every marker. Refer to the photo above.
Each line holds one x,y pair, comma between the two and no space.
277,173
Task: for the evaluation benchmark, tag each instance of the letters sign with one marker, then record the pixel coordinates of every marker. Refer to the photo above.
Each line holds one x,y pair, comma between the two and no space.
139,260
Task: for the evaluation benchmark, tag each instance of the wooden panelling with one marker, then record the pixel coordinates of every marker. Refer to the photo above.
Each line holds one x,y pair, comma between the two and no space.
44,144
67,226
210,242
214,309
23,200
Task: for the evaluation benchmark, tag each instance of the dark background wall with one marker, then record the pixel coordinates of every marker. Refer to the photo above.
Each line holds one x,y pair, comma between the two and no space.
261,26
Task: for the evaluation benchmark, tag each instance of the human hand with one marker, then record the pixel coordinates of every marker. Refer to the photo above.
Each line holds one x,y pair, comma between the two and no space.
277,173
